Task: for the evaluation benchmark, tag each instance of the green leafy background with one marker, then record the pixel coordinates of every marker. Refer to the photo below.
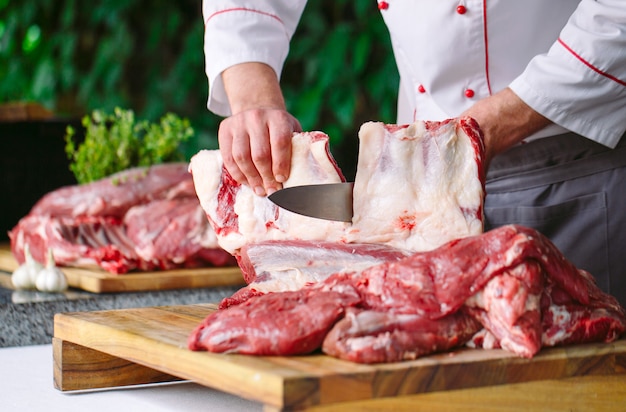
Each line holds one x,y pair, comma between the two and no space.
74,57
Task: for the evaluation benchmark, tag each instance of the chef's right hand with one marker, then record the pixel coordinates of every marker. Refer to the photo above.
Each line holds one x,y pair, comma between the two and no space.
256,147
255,141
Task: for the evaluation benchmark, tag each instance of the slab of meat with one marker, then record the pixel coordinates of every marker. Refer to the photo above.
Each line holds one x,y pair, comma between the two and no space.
462,285
369,336
174,233
139,219
418,190
564,320
250,327
418,186
114,195
278,266
240,217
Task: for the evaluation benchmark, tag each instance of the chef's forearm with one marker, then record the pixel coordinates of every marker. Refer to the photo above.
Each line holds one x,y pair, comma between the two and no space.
252,86
505,121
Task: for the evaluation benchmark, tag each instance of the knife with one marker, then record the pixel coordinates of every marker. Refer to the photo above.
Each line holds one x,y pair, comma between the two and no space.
331,201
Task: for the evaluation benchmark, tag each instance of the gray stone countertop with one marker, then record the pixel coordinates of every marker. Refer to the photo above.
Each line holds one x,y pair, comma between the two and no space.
27,317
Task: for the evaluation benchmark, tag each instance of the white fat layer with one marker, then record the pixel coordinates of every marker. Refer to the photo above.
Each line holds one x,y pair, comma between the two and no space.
416,189
292,267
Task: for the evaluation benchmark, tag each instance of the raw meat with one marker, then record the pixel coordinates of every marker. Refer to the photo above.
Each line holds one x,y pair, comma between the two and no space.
114,195
174,233
567,320
509,307
418,186
418,191
437,199
275,266
139,219
251,328
392,337
240,217
457,284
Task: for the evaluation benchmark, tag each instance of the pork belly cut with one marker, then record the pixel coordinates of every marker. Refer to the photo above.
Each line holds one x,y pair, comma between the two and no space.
140,219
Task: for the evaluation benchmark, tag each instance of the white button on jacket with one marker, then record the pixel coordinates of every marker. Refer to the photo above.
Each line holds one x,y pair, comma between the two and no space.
565,58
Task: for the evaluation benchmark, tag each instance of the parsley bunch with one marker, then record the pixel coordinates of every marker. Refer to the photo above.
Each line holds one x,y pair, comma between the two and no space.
115,142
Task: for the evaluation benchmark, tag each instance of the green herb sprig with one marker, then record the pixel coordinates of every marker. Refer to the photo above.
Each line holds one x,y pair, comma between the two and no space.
115,142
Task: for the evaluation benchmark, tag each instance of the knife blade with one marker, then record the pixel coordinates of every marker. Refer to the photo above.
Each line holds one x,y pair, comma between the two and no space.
331,201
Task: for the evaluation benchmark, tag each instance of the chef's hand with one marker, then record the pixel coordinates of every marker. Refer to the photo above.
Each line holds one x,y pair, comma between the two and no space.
255,142
504,120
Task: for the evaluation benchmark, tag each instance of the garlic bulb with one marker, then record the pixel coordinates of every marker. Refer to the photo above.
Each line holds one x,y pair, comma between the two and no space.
25,276
51,278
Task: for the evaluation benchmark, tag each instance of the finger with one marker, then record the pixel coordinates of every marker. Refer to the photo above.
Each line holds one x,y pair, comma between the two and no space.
261,154
281,134
246,127
242,155
225,140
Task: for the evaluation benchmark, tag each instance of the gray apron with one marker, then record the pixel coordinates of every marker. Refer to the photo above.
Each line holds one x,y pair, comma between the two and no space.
572,190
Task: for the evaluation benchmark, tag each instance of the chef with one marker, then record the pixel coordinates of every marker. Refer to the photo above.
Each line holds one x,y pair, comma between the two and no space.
545,80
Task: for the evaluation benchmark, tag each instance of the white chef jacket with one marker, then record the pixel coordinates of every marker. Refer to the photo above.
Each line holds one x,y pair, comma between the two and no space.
565,58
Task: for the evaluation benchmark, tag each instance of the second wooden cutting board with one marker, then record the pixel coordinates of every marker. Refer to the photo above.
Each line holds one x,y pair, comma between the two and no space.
100,281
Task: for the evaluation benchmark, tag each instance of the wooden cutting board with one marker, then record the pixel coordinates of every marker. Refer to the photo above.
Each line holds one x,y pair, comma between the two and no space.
132,346
97,280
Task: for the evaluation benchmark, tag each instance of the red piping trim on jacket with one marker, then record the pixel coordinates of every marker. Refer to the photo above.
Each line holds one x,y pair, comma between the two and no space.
243,9
486,46
591,66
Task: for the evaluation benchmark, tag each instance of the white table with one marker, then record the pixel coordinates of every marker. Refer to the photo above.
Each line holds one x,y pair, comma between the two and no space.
26,384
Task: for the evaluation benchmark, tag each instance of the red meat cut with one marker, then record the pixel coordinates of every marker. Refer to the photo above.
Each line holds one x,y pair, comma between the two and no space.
441,283
138,219
369,336
251,328
452,291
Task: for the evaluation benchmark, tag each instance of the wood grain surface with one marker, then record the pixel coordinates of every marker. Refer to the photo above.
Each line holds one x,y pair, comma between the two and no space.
148,344
97,280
